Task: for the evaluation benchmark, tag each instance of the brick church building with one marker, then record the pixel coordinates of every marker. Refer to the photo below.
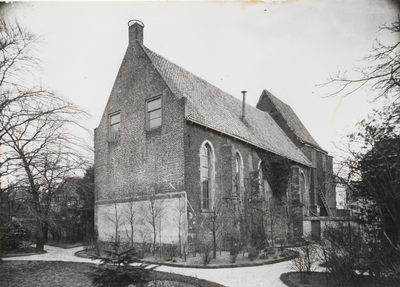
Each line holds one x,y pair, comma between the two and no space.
171,148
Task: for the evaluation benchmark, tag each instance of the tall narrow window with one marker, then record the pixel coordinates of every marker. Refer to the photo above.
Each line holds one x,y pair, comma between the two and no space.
154,113
302,185
238,175
206,176
323,163
115,126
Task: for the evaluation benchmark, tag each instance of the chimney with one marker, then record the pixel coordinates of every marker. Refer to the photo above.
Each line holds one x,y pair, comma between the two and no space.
244,104
135,31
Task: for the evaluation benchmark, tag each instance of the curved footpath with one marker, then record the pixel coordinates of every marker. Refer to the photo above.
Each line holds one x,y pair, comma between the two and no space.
257,276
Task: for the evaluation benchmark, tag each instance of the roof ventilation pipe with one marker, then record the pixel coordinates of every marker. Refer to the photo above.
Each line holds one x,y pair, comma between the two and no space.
244,104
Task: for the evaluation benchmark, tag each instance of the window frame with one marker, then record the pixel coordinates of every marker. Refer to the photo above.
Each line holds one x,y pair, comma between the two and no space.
302,186
304,192
206,201
238,175
111,133
148,111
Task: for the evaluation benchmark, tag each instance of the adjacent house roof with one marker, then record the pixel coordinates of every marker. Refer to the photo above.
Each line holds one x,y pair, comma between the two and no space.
211,107
293,122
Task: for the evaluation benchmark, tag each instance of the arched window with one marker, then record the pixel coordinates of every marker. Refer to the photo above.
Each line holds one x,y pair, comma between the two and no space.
304,196
260,175
206,176
238,175
302,190
263,183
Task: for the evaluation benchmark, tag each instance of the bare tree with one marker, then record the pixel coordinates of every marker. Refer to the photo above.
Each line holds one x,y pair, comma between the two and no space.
381,73
17,65
117,222
39,152
306,262
181,221
217,223
153,212
130,213
16,61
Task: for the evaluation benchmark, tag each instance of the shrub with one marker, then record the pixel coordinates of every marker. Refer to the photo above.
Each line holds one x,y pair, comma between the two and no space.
144,248
205,250
204,247
282,242
13,234
115,269
253,253
121,276
170,251
234,246
343,250
234,251
305,263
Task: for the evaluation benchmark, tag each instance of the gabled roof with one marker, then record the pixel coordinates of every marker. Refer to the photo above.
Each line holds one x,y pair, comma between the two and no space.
293,122
213,108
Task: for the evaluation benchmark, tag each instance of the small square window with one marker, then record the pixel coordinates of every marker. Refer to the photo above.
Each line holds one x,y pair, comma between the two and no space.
115,126
153,113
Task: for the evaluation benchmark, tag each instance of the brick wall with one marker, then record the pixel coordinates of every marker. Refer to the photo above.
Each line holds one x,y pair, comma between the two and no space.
140,157
224,148
142,161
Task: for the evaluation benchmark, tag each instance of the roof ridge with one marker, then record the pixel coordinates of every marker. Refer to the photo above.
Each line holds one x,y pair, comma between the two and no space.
146,50
216,109
278,102
194,75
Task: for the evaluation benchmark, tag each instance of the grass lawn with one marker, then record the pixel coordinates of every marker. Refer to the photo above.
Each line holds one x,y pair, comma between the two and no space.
56,273
318,279
44,273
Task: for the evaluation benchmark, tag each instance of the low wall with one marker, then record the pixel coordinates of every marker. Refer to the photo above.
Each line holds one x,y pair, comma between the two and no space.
167,212
314,226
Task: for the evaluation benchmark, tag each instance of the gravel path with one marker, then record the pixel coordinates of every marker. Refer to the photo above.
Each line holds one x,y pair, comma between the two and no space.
257,276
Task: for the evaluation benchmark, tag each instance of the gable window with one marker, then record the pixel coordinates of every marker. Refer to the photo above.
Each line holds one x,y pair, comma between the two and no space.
153,117
206,177
115,126
238,175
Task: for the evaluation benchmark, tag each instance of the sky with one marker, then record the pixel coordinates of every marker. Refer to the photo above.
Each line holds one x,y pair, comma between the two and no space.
289,48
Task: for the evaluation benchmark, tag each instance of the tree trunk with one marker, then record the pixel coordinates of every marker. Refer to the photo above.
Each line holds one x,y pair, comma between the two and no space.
1,252
154,239
39,221
214,245
39,236
45,231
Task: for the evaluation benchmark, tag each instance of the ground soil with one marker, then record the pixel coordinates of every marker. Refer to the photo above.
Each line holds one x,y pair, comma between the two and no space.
223,259
319,279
